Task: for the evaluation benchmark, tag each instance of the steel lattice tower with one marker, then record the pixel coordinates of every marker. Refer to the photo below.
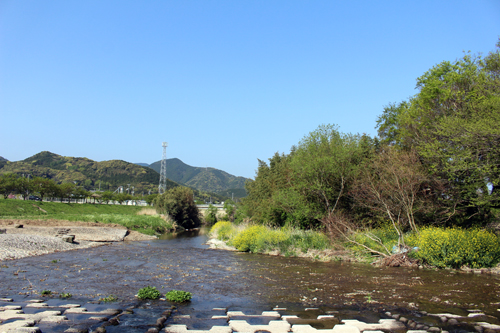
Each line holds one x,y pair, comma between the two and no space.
163,170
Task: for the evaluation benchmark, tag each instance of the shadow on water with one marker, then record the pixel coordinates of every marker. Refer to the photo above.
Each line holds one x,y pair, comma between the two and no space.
244,282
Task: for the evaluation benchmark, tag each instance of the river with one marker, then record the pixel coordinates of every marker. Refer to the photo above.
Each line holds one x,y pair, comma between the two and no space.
246,282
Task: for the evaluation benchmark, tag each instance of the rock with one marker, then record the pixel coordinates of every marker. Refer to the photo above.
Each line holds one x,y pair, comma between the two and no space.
114,321
453,321
434,329
396,316
77,330
152,330
100,330
479,329
18,226
443,319
68,238
3,231
160,321
403,320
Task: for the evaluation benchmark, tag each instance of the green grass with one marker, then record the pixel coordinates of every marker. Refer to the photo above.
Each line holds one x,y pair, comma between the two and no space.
261,239
123,215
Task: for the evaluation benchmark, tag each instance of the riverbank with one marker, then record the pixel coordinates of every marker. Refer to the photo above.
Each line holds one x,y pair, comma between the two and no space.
26,238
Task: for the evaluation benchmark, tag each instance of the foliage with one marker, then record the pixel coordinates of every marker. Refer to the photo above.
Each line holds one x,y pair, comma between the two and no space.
248,239
148,293
65,295
178,296
394,184
108,299
456,247
46,292
229,210
261,239
178,203
223,230
453,125
211,215
380,240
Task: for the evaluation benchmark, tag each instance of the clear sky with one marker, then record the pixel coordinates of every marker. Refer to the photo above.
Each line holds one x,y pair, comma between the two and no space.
223,82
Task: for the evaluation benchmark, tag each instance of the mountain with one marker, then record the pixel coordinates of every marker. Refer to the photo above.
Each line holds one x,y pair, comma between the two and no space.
109,175
203,179
106,175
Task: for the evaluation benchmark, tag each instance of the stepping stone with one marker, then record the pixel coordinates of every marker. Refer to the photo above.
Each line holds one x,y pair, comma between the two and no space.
6,300
383,324
489,326
21,326
37,305
68,306
183,329
10,307
35,301
274,326
272,314
335,329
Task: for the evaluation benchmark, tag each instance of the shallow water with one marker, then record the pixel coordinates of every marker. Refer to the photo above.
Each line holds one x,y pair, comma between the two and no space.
244,282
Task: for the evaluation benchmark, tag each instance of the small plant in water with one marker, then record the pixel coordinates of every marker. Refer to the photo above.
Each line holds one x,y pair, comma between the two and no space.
109,299
178,296
148,293
369,299
46,292
65,295
55,261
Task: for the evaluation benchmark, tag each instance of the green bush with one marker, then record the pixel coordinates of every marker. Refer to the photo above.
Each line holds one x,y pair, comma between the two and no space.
178,203
148,293
211,215
178,296
46,292
457,247
248,239
223,230
108,299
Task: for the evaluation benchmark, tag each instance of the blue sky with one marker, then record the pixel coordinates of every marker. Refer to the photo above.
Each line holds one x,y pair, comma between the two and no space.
223,82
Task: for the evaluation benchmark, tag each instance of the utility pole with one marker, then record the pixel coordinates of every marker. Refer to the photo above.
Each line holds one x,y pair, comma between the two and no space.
163,170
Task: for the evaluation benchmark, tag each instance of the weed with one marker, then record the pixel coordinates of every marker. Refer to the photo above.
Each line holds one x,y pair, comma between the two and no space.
65,295
46,292
178,296
148,293
55,261
108,299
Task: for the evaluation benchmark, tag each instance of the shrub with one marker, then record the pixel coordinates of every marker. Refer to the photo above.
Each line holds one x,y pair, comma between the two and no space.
211,215
178,296
65,295
381,239
178,203
224,230
248,239
148,293
457,247
46,292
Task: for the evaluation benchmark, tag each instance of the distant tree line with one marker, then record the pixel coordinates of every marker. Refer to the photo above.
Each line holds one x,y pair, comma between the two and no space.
436,160
45,188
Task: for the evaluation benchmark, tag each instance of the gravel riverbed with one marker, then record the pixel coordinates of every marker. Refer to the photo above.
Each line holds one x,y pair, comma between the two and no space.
16,246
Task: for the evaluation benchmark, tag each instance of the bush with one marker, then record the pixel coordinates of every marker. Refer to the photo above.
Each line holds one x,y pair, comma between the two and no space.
211,215
248,239
381,239
178,203
457,247
148,293
223,230
178,296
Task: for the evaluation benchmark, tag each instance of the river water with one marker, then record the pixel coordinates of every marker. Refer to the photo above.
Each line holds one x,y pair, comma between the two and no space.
246,282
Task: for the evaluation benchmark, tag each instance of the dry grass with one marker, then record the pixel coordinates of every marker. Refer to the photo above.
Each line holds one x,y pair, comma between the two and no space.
147,211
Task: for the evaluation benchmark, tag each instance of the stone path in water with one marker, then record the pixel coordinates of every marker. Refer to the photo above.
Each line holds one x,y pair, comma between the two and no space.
36,315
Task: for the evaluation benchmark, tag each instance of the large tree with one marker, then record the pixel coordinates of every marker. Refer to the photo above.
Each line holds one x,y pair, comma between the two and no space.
453,123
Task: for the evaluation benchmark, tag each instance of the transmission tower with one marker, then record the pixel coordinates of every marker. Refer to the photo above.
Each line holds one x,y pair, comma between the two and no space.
163,170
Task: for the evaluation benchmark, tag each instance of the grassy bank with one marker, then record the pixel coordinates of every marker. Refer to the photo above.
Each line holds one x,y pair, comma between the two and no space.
436,247
131,217
285,241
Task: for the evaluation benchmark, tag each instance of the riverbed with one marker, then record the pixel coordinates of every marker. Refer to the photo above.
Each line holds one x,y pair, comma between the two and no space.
246,282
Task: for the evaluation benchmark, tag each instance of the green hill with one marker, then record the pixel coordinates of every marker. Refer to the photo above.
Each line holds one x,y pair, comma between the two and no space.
106,175
204,179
